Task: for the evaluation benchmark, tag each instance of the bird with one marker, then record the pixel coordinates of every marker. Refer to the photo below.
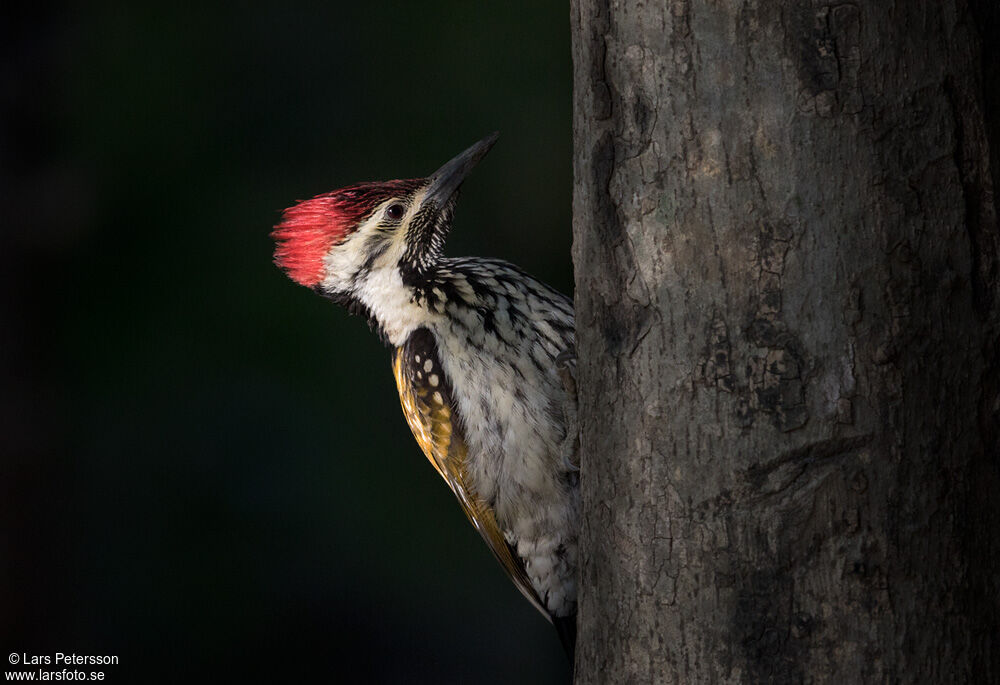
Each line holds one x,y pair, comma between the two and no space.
483,358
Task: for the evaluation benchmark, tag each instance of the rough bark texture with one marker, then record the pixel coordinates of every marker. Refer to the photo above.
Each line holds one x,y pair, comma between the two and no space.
786,253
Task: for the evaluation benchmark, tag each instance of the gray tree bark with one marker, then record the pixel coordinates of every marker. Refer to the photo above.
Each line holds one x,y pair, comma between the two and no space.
787,296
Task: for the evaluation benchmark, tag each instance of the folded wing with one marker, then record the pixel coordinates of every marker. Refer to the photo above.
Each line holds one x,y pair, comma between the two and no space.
426,397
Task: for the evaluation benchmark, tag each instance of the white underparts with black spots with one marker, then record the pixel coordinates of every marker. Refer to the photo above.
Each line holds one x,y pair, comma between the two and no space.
510,398
498,332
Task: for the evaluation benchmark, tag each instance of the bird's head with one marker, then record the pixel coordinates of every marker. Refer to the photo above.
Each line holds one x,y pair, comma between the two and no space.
334,242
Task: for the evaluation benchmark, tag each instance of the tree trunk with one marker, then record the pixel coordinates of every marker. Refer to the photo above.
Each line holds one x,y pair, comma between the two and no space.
787,298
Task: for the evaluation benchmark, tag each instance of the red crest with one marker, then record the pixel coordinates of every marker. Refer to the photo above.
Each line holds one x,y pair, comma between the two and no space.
309,229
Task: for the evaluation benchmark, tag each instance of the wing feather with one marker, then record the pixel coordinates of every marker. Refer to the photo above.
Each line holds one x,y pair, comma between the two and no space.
427,403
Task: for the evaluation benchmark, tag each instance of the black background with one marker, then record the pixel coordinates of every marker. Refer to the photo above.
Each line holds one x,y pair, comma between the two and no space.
204,467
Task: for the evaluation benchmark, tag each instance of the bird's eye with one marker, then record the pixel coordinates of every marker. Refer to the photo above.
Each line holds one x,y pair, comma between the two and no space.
395,212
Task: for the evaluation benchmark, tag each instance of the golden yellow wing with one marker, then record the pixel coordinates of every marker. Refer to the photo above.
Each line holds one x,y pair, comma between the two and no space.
427,404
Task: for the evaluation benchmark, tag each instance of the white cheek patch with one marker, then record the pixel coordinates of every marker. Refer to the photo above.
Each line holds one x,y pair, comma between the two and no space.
343,262
365,266
380,287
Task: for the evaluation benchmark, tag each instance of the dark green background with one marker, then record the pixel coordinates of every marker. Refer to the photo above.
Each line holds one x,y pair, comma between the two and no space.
205,470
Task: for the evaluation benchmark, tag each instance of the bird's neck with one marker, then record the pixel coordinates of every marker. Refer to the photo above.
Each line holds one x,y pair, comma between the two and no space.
395,307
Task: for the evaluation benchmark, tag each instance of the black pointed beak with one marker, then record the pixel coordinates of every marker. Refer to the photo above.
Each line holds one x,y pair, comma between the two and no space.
446,180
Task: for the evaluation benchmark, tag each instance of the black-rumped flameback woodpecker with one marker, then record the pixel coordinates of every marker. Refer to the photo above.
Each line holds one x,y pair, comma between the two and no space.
483,359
